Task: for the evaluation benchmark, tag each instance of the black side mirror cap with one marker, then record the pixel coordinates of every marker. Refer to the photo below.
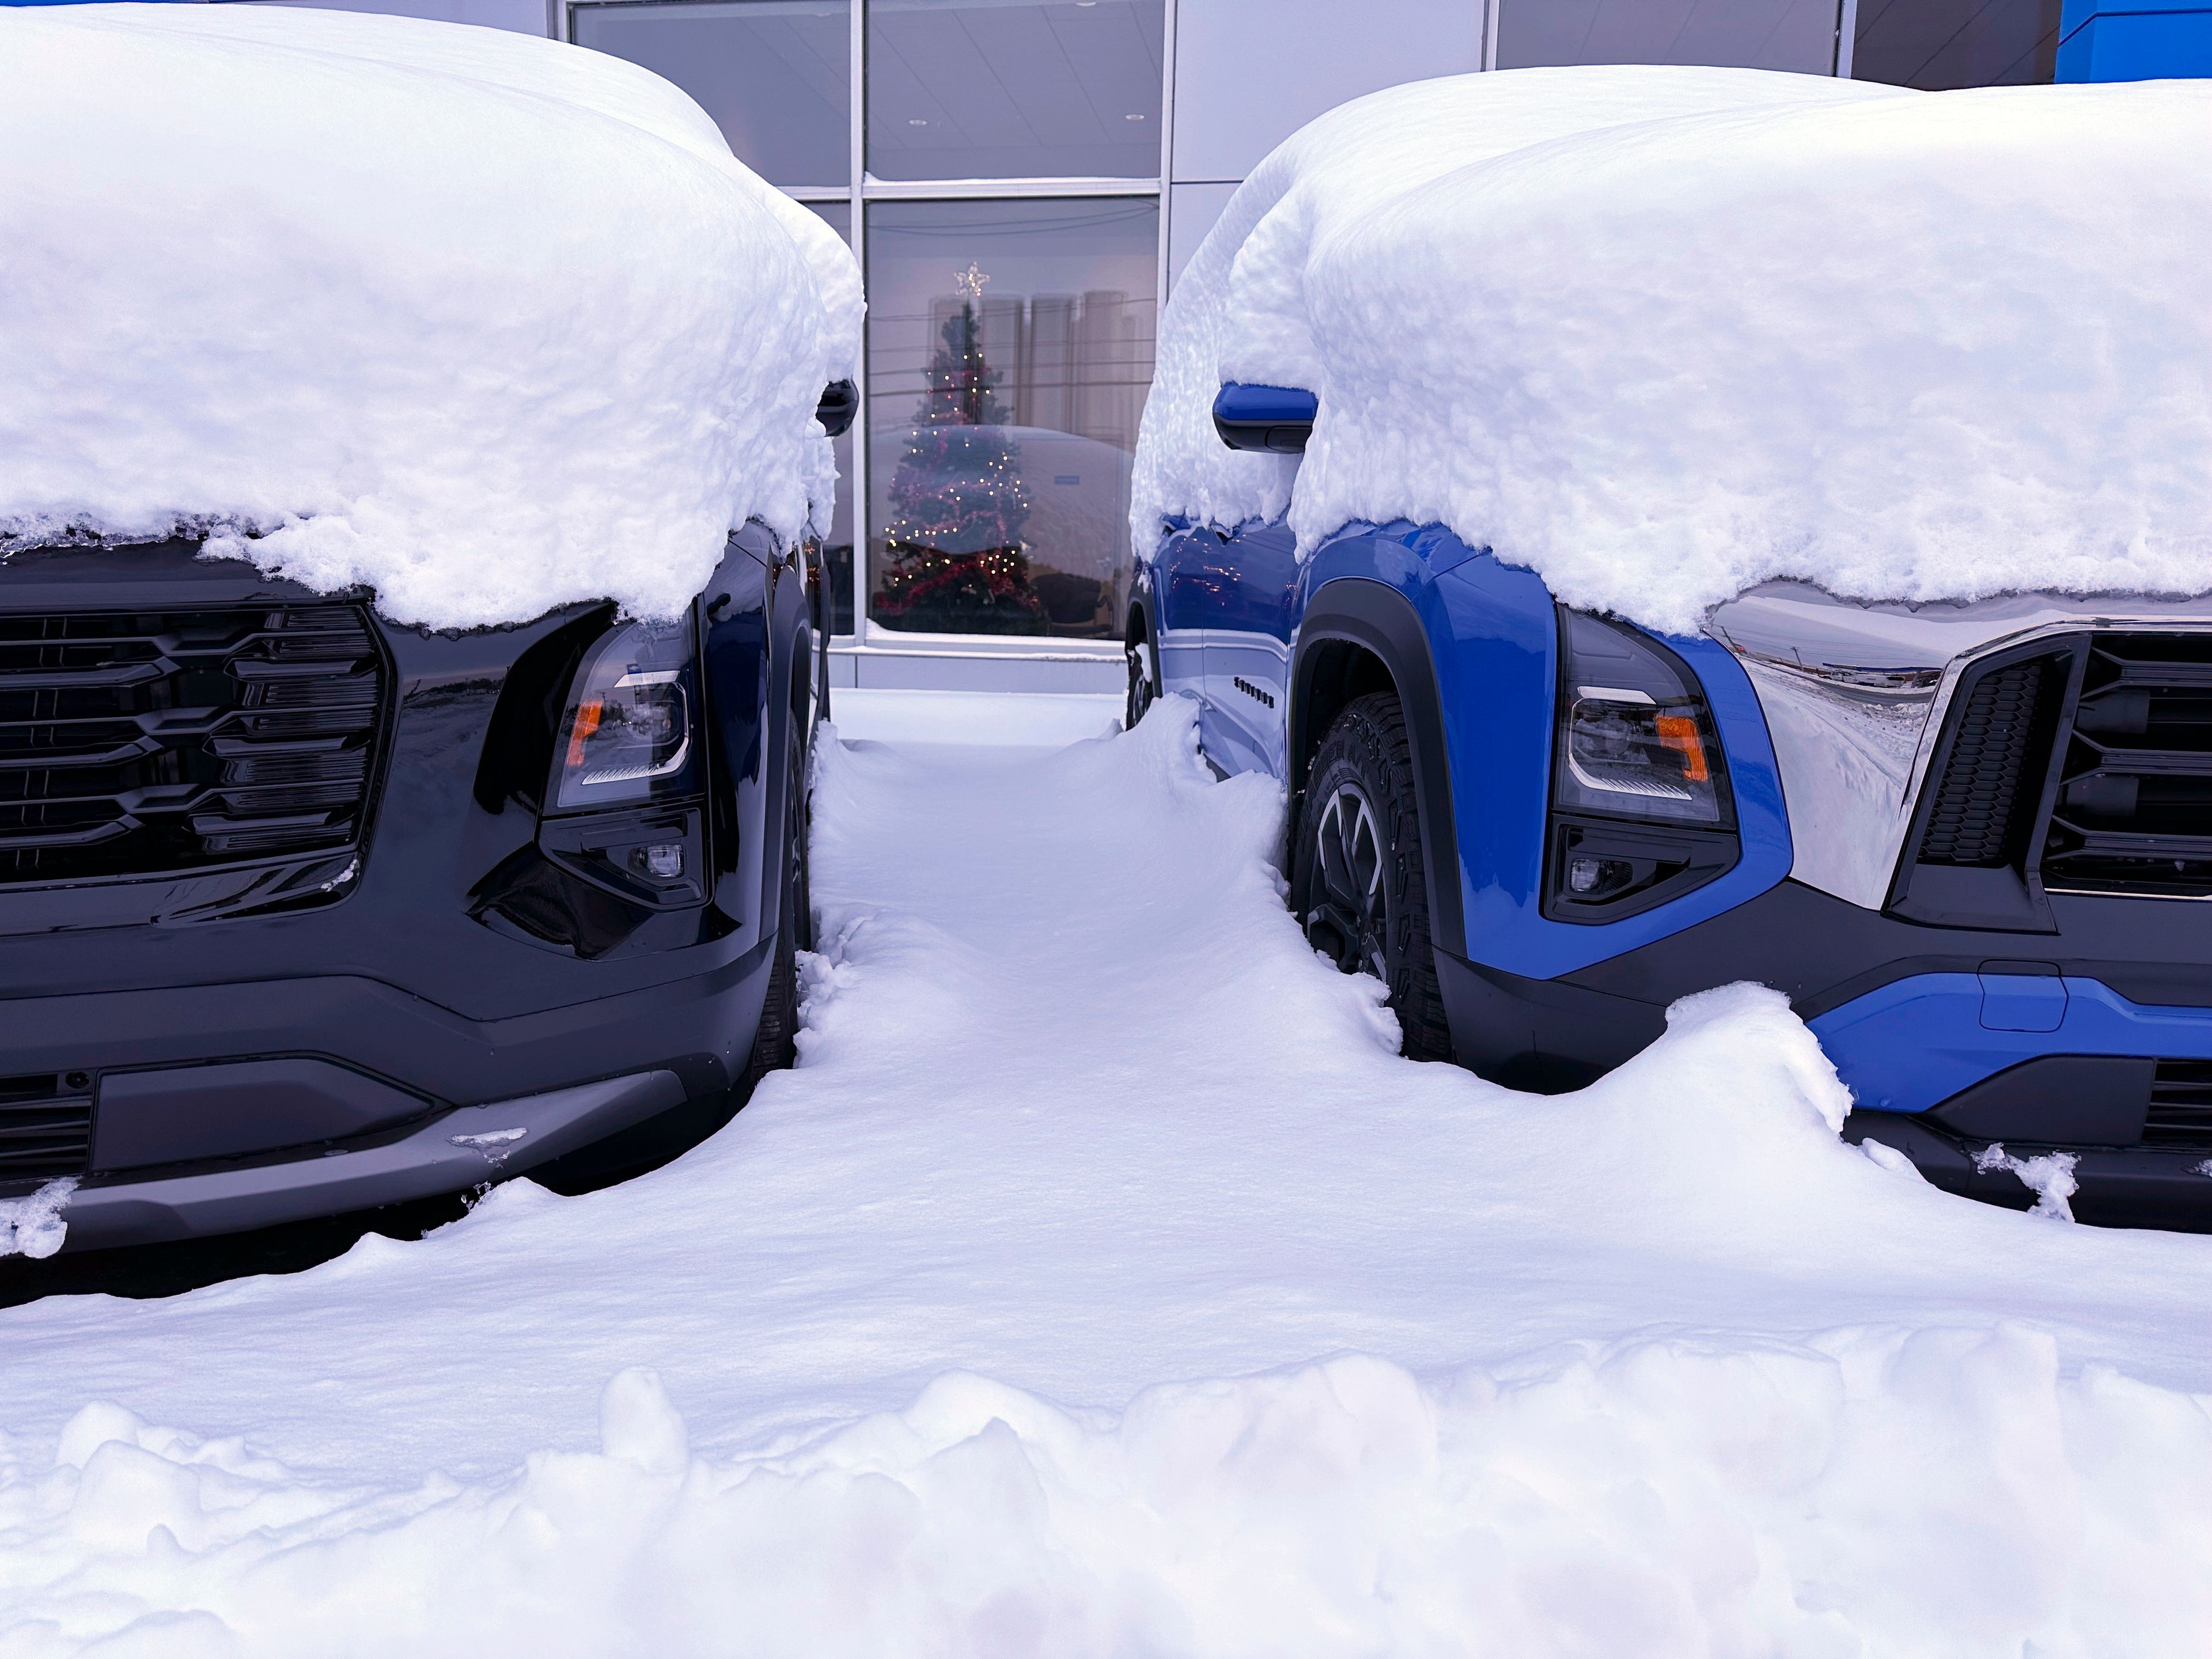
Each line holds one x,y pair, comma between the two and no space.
840,401
1277,419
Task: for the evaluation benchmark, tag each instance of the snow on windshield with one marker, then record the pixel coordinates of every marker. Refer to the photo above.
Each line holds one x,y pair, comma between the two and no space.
1661,334
489,323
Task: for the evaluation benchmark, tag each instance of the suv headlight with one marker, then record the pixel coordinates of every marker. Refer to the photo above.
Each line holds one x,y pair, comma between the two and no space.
627,734
1640,806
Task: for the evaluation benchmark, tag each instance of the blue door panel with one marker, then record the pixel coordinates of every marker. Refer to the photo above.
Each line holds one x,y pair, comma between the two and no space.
1184,577
1248,648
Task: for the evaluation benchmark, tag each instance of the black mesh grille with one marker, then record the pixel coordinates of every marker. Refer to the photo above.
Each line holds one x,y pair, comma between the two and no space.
2181,1106
46,1129
2134,812
137,743
1986,799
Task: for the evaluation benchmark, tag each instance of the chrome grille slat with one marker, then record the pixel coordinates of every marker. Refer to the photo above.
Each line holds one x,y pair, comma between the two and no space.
148,741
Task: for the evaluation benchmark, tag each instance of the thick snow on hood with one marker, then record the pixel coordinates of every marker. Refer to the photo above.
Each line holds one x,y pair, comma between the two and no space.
1661,334
486,322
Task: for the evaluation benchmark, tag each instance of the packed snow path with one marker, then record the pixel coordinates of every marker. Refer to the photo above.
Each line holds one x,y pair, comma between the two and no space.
1079,1123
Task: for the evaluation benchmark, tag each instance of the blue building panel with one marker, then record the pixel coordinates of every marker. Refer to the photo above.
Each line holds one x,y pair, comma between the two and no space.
2134,40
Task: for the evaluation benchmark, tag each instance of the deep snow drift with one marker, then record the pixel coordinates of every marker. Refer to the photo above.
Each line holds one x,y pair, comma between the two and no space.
1661,334
1660,1368
487,322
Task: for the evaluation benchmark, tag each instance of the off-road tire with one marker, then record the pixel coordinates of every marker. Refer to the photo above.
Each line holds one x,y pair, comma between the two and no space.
775,1038
1357,883
1143,686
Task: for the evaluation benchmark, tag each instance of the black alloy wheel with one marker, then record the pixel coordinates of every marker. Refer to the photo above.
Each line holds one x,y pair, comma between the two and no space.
775,1039
1144,690
1358,882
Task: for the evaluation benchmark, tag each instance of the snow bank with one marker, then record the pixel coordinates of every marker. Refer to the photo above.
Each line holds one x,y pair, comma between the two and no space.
1080,1123
487,322
1661,334
1943,1491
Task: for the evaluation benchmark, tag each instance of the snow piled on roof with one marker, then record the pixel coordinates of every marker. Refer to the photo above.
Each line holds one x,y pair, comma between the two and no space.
1661,334
489,323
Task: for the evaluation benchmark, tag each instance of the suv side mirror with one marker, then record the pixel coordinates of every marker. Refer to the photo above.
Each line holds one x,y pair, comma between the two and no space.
1275,418
840,401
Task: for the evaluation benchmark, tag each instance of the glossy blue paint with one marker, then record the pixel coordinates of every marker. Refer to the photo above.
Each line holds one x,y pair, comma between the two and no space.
1259,404
1915,1043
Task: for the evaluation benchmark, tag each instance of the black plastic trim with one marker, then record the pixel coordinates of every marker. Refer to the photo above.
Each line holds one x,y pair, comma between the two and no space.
1379,619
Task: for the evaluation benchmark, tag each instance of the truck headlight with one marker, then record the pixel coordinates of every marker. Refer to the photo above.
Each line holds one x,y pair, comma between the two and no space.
627,734
1640,806
1636,739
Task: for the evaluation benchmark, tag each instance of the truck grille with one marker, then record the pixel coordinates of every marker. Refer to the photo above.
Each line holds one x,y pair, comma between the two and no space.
1985,802
46,1129
2180,1106
145,742
2134,812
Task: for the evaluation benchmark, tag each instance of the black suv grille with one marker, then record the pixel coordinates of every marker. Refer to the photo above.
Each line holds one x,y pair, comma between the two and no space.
46,1129
1985,804
2181,1106
2134,812
136,742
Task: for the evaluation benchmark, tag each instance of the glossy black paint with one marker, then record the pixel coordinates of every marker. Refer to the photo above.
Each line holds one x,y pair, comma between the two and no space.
407,970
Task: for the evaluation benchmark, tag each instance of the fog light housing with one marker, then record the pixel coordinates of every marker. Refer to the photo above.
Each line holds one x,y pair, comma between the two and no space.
1589,877
659,860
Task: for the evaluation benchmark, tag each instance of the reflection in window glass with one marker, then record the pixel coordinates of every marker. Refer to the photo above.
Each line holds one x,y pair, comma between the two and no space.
837,540
1938,45
775,75
1005,90
1772,34
1010,345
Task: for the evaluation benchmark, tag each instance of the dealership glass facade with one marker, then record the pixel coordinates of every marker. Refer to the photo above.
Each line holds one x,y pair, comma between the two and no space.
1002,188
998,167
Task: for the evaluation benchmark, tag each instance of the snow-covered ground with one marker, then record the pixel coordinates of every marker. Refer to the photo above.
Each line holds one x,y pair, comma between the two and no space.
1102,1282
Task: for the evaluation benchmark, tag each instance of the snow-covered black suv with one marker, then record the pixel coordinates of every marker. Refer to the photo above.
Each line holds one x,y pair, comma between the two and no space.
402,760
303,912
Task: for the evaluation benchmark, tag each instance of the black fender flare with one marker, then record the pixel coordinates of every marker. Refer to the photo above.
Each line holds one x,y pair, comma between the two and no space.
1379,619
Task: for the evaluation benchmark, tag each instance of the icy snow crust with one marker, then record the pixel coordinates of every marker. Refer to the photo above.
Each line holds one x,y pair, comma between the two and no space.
1102,1282
486,322
1663,333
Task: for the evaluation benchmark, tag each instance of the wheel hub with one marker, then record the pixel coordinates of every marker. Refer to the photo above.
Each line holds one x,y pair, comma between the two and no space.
1347,921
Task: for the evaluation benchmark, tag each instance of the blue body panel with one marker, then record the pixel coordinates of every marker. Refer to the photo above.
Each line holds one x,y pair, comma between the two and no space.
1915,1043
1495,639
1236,601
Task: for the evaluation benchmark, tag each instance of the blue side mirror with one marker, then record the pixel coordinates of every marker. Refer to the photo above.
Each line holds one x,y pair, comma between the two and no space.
1274,418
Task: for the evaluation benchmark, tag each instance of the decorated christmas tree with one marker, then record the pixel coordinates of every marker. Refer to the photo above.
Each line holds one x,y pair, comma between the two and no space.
954,557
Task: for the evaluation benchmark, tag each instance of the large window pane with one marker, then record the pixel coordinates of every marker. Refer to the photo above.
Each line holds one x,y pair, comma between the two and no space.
1773,35
1011,89
837,541
775,75
1010,344
1938,45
